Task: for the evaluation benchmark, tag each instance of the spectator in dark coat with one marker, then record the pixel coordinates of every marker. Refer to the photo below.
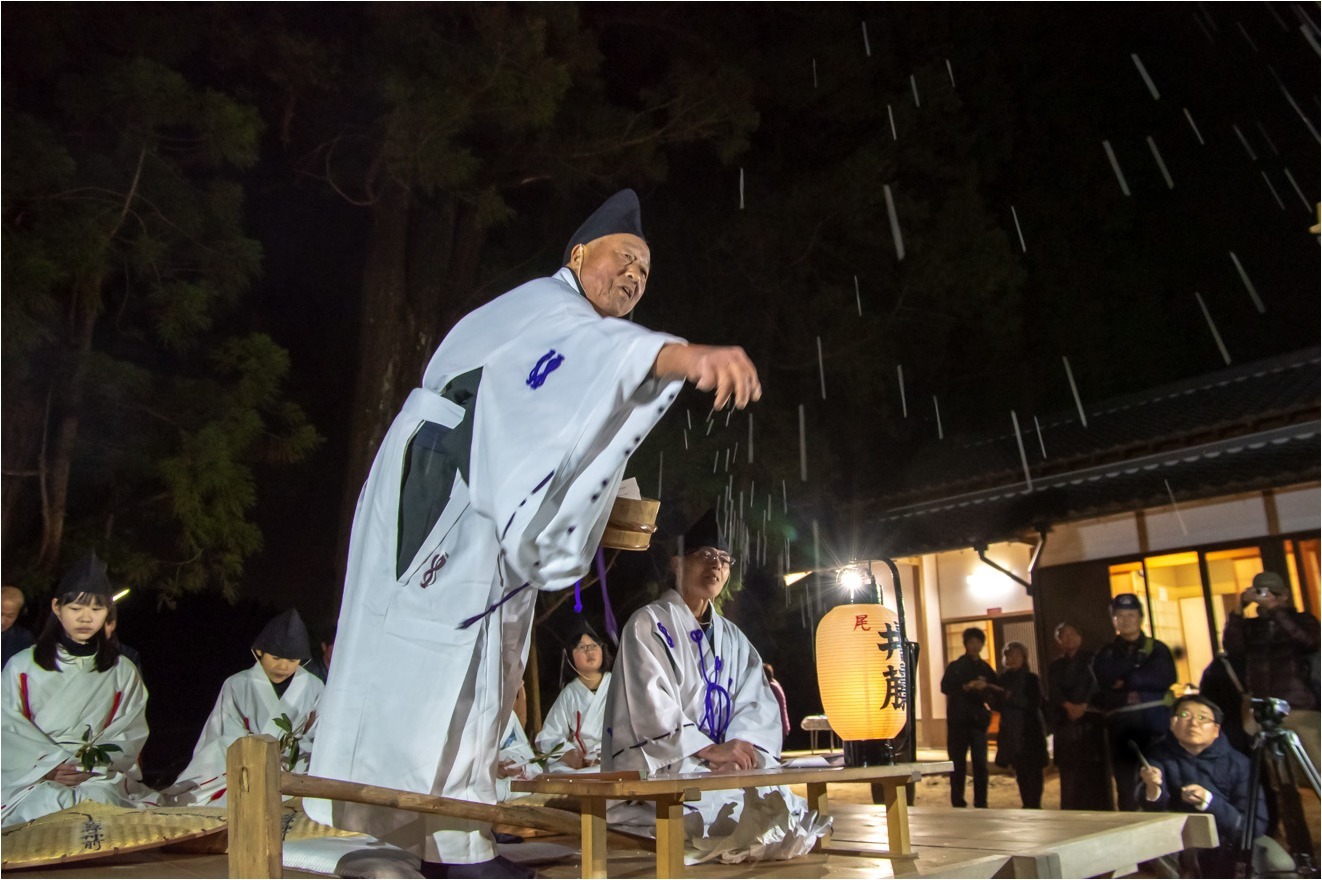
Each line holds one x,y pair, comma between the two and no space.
967,717
1134,675
1195,770
1080,742
1022,740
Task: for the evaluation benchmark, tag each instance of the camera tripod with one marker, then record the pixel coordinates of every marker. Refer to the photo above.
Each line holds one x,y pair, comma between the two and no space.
1279,752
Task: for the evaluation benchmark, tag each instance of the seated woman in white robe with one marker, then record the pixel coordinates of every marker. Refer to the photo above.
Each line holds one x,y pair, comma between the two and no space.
275,696
571,735
74,714
689,696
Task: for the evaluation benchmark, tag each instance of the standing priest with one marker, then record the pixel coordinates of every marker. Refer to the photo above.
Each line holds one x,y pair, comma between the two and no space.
689,696
496,480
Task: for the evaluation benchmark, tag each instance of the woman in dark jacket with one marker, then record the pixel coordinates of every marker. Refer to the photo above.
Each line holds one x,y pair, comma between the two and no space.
1022,741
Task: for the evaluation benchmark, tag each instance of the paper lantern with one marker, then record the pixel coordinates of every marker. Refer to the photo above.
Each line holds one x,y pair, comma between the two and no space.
860,672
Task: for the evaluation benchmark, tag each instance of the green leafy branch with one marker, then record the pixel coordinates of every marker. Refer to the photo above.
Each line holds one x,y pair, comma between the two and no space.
90,754
291,748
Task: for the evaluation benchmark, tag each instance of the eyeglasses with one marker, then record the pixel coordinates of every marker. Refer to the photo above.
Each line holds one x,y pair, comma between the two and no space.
587,649
1186,715
707,554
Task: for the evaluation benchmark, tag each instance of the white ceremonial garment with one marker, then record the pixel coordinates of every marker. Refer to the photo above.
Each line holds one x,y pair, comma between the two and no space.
574,722
46,716
247,705
660,713
514,746
416,702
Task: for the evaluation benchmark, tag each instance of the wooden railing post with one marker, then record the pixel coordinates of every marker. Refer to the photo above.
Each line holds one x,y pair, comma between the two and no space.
252,768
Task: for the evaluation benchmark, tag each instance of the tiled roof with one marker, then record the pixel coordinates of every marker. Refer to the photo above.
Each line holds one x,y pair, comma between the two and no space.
1239,429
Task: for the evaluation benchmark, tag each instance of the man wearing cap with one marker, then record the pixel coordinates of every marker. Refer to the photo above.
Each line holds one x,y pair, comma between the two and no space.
689,696
1279,652
1134,675
495,480
1195,770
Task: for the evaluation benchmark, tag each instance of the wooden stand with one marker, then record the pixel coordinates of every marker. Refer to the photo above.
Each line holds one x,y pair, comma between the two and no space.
253,767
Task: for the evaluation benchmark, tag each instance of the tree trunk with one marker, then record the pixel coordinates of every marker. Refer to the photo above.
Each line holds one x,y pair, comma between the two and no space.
60,463
422,255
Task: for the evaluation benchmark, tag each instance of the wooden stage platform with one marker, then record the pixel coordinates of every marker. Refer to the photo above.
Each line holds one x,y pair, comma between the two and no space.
948,842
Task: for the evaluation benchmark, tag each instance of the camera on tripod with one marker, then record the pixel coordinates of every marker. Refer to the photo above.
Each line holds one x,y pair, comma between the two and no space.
1269,712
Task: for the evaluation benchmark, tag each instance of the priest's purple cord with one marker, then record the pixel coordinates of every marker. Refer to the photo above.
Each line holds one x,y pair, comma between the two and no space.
669,641
717,703
578,596
612,629
508,596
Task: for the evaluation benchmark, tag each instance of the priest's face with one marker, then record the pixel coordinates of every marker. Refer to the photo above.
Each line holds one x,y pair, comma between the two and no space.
81,617
702,574
276,668
613,271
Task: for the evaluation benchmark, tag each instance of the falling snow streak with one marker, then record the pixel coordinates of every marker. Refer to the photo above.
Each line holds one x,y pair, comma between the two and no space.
867,47
816,547
858,297
814,73
1266,137
1161,165
1143,72
1289,97
1285,27
1198,134
1023,456
1300,192
1202,27
1239,134
750,438
821,367
936,407
1303,18
1210,20
741,189
1248,285
1211,325
727,457
1074,389
913,83
686,440
1275,194
904,404
1178,516
950,70
688,417
709,424
890,114
660,469
1312,40
1115,166
895,223
1037,426
1247,38
1015,214
716,462
785,499
803,445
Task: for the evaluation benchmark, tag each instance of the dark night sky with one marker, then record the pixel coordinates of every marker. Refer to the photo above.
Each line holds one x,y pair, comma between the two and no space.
1106,279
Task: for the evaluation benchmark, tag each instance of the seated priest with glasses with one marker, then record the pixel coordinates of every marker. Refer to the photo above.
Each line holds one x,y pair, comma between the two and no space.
688,695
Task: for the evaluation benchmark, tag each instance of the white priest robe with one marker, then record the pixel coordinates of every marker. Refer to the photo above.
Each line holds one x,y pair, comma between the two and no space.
247,705
574,722
417,701
46,716
660,712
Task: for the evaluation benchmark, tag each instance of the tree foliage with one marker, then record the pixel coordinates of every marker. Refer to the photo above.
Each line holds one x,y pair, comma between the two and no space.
136,402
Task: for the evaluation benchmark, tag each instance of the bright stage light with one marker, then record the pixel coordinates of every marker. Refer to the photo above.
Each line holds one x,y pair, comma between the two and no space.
851,579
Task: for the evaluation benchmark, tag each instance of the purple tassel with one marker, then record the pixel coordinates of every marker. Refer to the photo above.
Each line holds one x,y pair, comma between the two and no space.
612,629
578,596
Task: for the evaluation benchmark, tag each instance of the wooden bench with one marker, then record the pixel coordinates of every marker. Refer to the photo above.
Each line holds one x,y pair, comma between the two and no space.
670,792
815,724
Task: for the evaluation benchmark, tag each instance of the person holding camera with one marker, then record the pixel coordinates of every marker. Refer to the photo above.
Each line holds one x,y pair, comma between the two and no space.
1195,770
1278,650
967,717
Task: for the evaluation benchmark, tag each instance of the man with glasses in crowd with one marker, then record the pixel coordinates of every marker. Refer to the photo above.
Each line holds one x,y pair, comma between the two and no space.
1195,770
689,696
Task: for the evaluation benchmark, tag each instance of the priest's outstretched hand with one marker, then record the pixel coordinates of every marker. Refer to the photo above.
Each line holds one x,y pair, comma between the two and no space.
729,757
725,368
69,774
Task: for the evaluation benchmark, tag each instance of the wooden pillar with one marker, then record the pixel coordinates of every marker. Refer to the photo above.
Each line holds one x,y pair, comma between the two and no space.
594,836
670,836
897,817
817,800
252,768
